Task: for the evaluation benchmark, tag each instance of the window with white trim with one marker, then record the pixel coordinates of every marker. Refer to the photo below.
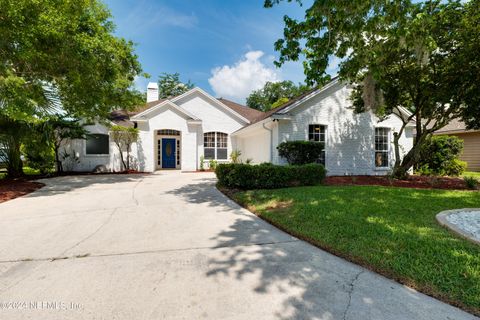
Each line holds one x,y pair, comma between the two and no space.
215,145
381,147
316,132
97,144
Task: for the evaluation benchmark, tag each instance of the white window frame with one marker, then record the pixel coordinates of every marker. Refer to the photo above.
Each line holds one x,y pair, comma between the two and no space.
387,151
324,136
215,145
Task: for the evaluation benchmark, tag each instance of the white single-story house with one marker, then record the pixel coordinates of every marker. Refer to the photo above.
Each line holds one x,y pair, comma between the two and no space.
177,133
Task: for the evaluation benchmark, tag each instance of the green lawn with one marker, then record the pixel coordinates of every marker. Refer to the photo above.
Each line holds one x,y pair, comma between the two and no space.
471,174
390,230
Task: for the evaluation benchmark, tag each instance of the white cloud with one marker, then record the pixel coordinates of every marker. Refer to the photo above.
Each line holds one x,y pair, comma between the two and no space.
236,82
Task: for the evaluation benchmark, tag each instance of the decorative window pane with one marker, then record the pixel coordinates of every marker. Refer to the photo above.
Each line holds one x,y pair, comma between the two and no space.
168,132
209,153
221,140
178,152
316,132
97,144
215,145
222,154
209,140
381,147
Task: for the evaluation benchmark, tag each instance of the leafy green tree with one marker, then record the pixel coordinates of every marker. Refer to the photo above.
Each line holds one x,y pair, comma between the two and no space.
422,56
123,138
38,151
61,130
274,94
169,85
62,55
12,134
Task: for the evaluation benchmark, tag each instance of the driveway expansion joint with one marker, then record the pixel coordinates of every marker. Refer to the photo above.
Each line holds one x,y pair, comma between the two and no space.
350,293
88,255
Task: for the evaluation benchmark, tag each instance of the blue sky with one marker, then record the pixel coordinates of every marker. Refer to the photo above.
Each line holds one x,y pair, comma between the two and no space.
224,47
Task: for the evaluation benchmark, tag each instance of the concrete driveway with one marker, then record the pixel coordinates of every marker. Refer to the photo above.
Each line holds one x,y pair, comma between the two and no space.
170,246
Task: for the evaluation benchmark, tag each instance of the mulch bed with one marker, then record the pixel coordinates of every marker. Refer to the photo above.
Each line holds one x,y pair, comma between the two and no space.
14,188
423,182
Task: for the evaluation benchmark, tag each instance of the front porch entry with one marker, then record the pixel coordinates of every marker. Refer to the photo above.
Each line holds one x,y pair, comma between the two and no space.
168,147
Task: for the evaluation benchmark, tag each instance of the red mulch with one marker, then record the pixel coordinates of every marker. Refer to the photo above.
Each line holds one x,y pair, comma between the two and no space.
411,182
14,188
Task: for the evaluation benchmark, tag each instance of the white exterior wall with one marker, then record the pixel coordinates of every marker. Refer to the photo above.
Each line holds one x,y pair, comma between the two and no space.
255,145
214,119
88,162
350,137
168,118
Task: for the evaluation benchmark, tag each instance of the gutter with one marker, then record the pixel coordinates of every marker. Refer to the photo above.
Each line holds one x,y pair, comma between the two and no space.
271,141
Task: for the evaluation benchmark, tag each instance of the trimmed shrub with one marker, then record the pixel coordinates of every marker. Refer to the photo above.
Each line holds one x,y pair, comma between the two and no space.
439,157
471,182
300,152
268,176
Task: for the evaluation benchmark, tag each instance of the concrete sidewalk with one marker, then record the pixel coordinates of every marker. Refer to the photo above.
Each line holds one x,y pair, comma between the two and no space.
170,246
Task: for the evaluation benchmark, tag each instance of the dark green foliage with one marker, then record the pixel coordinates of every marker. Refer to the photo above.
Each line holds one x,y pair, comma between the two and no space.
60,55
439,156
300,152
39,155
169,85
12,133
471,182
274,94
268,176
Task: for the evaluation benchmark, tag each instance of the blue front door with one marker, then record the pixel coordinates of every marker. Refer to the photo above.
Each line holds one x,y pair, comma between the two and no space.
168,153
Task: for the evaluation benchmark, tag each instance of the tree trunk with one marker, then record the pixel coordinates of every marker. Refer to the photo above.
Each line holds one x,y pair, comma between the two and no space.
121,156
128,159
58,163
400,170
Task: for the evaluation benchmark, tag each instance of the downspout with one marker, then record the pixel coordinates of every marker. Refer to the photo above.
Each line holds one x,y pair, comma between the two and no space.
271,141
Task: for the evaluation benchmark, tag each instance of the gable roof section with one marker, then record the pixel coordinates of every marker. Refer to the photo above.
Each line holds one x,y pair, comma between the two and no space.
126,118
144,115
212,99
284,108
249,113
295,102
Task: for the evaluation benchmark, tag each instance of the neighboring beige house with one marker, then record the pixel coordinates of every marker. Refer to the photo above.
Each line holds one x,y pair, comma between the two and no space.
471,142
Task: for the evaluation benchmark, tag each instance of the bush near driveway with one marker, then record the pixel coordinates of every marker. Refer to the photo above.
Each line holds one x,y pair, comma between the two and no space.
268,176
390,230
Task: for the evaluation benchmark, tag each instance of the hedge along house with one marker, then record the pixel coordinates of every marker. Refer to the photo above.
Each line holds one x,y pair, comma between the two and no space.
355,143
177,133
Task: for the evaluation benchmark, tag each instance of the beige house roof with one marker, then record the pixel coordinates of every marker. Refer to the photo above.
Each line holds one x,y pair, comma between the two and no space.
455,126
